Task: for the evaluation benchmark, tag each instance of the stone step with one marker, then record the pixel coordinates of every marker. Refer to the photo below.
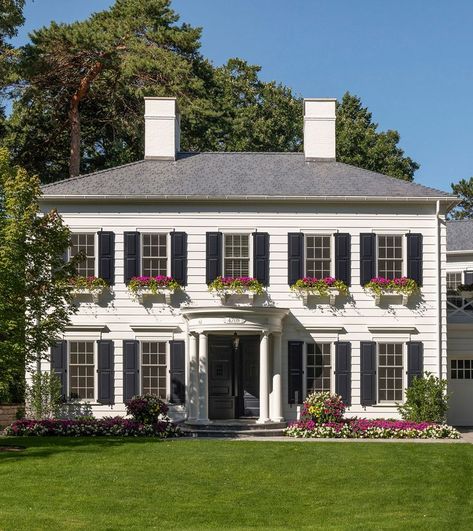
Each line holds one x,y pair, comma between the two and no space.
232,434
233,426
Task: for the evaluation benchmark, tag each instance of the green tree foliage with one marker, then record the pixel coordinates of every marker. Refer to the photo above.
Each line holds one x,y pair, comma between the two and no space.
464,189
35,299
361,144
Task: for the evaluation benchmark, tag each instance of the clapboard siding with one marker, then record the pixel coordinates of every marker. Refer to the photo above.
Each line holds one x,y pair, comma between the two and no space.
121,312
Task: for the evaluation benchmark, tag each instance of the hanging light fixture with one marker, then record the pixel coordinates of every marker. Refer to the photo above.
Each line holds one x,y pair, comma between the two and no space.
236,341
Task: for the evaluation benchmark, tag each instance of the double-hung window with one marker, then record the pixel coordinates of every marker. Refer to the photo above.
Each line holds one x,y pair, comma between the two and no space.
84,243
390,256
154,261
454,279
461,369
154,368
82,370
319,367
390,372
236,255
318,255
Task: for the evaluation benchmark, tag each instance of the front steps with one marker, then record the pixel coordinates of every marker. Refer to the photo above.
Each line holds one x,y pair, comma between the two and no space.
235,428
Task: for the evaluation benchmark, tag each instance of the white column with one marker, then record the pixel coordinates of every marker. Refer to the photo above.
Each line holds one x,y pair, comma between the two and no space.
264,379
203,379
276,413
194,378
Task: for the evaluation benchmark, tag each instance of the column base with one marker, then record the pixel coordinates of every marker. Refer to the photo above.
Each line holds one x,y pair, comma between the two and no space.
263,421
278,419
200,421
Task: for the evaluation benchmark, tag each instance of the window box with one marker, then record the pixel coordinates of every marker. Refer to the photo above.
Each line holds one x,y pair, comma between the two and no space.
465,291
324,288
89,286
225,287
142,287
398,288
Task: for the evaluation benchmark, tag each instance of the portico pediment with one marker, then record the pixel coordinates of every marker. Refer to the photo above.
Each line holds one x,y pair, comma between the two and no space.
225,319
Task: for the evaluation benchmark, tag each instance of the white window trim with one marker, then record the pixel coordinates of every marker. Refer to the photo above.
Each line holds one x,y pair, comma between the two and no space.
96,248
332,249
404,250
96,377
403,372
168,248
304,364
250,248
168,363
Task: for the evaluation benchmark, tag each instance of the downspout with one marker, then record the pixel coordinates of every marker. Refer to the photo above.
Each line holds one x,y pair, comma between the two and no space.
439,285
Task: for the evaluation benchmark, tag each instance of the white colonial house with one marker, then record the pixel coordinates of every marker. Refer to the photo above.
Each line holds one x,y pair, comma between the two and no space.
277,217
460,321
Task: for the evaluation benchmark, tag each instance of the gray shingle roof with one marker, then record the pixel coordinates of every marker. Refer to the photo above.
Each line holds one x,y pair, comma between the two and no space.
227,175
460,235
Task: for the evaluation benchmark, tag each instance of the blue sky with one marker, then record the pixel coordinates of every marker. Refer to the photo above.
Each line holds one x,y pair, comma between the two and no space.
409,60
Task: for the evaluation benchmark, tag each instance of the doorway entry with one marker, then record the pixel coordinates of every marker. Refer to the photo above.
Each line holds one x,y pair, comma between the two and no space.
233,377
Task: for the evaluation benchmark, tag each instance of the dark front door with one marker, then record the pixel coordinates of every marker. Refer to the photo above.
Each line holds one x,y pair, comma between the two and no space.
221,378
249,380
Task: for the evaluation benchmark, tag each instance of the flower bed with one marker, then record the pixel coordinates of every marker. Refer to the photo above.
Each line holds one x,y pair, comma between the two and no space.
141,286
109,426
225,286
324,287
371,429
402,286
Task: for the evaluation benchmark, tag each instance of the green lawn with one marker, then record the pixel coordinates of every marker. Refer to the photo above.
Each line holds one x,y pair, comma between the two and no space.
60,483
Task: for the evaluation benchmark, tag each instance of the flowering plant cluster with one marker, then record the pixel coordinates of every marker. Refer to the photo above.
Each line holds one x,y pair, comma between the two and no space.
153,284
323,407
88,283
108,426
236,284
320,287
371,429
402,285
147,409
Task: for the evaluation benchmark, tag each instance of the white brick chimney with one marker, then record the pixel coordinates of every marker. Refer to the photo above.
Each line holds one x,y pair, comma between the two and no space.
162,128
319,128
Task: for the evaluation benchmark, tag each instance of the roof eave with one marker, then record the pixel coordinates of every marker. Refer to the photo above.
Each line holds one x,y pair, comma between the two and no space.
302,199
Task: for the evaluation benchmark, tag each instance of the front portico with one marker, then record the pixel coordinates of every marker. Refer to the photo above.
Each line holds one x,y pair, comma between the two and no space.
210,334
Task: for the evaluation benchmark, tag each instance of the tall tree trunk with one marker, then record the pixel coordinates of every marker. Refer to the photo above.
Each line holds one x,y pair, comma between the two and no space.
74,116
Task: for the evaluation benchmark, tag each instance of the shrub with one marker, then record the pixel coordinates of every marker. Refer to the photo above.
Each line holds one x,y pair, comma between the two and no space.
323,407
426,400
109,426
147,409
43,395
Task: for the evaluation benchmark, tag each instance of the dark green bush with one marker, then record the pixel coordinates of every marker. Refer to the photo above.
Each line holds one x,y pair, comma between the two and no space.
426,400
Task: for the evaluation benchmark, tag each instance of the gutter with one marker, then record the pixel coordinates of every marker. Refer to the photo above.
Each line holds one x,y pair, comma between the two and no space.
276,198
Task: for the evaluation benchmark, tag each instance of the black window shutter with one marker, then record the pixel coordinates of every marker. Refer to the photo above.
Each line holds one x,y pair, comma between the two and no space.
178,372
214,256
343,257
107,256
415,360
343,370
294,354
59,364
261,257
468,280
415,257
295,257
130,369
105,370
368,373
367,257
179,257
132,255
